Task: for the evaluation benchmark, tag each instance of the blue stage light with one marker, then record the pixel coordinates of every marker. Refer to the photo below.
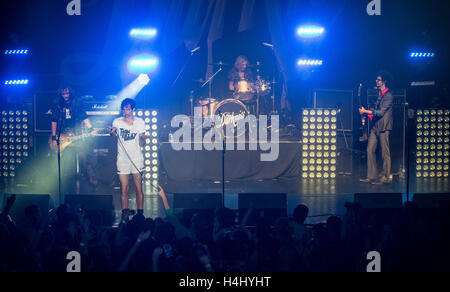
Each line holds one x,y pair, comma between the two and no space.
143,64
421,55
16,82
310,31
16,52
309,62
143,79
143,33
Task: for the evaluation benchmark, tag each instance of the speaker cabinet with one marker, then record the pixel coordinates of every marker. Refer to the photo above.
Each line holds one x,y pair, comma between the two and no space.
43,202
339,99
43,106
197,201
266,207
101,204
379,200
431,201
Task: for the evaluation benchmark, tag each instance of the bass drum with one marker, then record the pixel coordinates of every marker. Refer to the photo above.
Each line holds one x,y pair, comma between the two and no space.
231,111
207,105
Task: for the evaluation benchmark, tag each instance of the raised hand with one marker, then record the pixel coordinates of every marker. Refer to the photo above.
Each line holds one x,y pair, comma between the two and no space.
112,130
161,192
144,236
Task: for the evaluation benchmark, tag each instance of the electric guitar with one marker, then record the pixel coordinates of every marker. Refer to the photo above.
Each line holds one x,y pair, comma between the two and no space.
364,125
67,140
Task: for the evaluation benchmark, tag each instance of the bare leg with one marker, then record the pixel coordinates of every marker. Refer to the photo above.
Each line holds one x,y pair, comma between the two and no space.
137,179
125,186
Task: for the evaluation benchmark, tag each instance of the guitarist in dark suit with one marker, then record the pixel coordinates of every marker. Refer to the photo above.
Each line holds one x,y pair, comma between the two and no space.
382,122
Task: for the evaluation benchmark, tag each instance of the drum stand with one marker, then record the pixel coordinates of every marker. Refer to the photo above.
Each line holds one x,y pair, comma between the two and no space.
258,87
191,100
274,112
210,79
58,144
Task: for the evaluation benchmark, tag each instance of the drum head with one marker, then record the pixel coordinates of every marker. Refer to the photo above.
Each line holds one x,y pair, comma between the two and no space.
206,101
231,111
244,90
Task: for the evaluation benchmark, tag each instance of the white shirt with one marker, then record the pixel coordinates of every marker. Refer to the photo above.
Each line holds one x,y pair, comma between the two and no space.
129,139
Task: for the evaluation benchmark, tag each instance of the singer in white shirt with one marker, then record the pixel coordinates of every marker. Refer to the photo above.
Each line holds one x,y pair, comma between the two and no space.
130,132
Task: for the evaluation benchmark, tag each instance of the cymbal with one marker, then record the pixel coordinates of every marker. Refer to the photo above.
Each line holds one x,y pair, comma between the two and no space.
198,80
219,64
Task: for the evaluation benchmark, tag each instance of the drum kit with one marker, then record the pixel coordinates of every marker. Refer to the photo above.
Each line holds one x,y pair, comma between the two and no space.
246,93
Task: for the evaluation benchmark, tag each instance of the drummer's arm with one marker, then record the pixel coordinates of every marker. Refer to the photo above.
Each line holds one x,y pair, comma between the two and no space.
231,86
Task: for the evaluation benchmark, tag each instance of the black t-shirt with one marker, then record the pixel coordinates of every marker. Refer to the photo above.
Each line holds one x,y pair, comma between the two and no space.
71,114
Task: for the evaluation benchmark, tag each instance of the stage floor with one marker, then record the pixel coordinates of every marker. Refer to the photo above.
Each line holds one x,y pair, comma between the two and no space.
324,198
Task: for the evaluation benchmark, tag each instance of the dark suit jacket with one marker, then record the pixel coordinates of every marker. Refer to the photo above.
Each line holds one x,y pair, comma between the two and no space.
383,119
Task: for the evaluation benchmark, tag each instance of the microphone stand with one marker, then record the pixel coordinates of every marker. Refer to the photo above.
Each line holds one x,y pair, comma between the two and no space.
210,81
258,87
183,68
58,143
223,168
191,95
406,146
223,164
275,62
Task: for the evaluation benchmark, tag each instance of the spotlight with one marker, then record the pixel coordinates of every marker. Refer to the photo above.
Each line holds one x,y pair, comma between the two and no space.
430,143
143,79
421,55
16,82
319,151
150,148
16,52
309,62
133,89
310,31
143,64
143,33
14,143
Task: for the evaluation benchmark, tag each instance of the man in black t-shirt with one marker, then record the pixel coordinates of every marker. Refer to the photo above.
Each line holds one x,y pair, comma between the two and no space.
68,115
68,119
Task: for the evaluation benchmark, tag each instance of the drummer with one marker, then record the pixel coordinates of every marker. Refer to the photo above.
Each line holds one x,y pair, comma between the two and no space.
240,82
239,72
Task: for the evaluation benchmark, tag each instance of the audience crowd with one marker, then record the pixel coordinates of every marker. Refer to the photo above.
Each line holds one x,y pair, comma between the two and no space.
408,239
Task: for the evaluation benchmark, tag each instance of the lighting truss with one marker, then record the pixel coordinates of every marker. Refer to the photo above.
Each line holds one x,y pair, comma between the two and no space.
15,141
432,143
319,143
150,149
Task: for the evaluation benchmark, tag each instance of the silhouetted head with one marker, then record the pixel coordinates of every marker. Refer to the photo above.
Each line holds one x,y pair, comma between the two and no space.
300,213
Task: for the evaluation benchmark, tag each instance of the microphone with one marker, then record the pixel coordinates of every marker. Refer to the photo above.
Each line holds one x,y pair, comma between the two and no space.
268,45
194,50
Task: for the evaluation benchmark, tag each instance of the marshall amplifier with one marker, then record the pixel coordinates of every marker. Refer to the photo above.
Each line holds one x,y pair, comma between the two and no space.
101,108
101,113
